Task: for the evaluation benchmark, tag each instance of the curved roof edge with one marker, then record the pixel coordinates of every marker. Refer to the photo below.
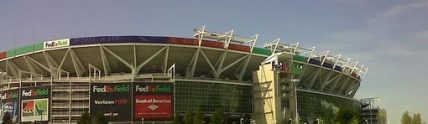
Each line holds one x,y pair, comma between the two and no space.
126,39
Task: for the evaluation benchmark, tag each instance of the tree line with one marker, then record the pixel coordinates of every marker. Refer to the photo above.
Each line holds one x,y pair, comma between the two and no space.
85,118
406,118
191,117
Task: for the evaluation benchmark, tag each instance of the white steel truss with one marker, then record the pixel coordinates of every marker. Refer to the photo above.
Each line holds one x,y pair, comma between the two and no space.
227,38
319,77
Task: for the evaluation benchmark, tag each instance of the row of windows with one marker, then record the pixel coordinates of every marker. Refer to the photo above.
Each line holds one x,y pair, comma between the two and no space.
209,97
316,105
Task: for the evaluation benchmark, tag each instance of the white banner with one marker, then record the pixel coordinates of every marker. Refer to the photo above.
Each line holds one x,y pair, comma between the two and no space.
56,43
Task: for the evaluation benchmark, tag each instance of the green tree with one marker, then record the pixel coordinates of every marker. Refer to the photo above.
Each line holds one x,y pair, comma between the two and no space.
188,117
355,120
382,116
99,119
198,118
346,116
217,118
406,118
7,118
85,118
327,115
416,119
178,120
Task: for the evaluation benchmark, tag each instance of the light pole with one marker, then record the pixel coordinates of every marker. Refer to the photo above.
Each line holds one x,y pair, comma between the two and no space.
293,83
371,108
142,120
40,112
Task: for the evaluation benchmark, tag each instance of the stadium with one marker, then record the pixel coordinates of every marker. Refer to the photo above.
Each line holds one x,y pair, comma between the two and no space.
152,79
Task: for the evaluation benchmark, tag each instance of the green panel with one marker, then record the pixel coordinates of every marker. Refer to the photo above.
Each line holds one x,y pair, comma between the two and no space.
23,50
297,68
38,46
11,53
300,58
262,51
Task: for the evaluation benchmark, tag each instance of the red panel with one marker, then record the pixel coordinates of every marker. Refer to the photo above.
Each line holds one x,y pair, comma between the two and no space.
183,41
239,47
2,55
215,44
153,107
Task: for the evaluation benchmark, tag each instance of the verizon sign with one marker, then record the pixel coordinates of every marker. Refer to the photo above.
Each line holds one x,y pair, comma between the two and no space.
113,100
56,43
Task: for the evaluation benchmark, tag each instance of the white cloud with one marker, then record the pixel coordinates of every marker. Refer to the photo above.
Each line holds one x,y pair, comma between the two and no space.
421,36
403,8
398,10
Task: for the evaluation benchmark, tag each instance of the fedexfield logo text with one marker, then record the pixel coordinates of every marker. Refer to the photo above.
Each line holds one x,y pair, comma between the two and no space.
57,43
110,89
155,88
35,92
10,95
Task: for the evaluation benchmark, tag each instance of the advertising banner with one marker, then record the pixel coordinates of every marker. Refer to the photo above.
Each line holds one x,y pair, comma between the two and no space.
35,110
153,101
35,104
153,107
113,100
10,104
35,92
56,43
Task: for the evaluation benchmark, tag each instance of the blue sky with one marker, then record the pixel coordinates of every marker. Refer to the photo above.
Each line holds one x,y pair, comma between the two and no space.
388,36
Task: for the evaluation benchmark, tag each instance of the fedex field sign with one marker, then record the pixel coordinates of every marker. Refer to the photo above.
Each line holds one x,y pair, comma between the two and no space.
9,95
113,100
153,88
56,43
35,92
110,89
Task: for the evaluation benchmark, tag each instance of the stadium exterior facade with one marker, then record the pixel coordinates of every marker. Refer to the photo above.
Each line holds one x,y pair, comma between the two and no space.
134,79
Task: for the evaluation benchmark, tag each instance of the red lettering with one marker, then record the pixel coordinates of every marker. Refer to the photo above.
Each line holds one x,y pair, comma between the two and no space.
33,93
120,101
109,89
